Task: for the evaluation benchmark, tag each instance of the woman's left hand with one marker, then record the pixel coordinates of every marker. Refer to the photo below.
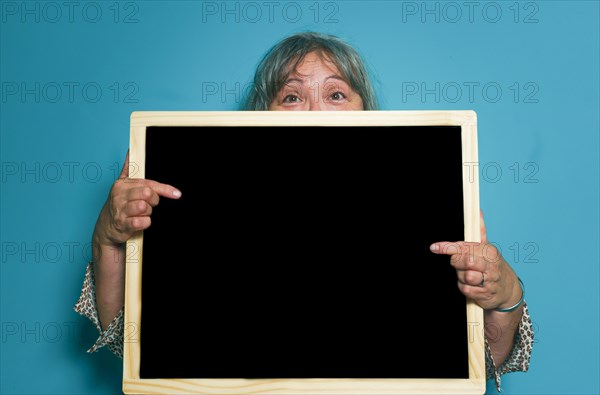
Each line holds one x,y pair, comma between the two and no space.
483,274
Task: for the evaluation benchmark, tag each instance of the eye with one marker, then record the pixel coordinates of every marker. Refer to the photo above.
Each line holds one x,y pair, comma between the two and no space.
337,96
291,99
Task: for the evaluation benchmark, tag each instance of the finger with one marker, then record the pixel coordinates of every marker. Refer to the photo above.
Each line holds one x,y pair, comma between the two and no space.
482,227
469,260
138,223
470,277
145,193
470,291
125,169
463,255
137,208
453,248
128,225
448,247
165,190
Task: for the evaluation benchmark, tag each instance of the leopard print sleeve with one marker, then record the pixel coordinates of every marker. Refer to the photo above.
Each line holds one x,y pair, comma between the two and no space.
520,355
112,337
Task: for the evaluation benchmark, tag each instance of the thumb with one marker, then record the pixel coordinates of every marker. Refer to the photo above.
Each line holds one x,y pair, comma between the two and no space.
482,228
125,169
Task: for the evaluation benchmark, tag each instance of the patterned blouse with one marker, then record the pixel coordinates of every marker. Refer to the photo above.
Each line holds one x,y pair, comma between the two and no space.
112,337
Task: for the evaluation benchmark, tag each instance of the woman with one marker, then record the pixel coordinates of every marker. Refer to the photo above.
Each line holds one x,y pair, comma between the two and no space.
311,72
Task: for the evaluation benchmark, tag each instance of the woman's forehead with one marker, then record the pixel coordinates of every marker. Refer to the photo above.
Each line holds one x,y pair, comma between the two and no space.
313,63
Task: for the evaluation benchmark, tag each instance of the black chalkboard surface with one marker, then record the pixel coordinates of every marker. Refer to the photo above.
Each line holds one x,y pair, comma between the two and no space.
303,252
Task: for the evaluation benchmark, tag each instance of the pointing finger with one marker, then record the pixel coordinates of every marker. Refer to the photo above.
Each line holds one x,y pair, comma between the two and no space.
449,247
165,190
463,255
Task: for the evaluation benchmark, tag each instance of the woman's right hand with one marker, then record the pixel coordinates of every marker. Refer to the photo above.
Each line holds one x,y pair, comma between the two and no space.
128,207
126,211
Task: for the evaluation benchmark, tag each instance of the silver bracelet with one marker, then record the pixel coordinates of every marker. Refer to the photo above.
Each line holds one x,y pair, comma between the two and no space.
509,309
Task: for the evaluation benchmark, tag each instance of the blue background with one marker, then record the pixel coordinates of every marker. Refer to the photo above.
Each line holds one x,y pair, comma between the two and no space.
534,71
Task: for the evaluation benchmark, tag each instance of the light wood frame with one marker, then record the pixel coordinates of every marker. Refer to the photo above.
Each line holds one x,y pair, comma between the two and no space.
132,383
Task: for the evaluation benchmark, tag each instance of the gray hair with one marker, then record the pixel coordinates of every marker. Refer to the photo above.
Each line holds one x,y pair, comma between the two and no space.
285,56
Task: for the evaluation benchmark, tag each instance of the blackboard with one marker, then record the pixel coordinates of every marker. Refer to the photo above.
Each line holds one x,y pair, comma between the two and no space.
303,253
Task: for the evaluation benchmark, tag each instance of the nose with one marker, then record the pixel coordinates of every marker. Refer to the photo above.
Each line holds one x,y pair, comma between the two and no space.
314,104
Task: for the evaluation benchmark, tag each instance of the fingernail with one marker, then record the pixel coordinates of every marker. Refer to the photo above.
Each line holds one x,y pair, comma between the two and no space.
177,193
434,247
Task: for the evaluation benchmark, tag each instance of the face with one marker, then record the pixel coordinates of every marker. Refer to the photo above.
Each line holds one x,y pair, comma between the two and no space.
316,85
